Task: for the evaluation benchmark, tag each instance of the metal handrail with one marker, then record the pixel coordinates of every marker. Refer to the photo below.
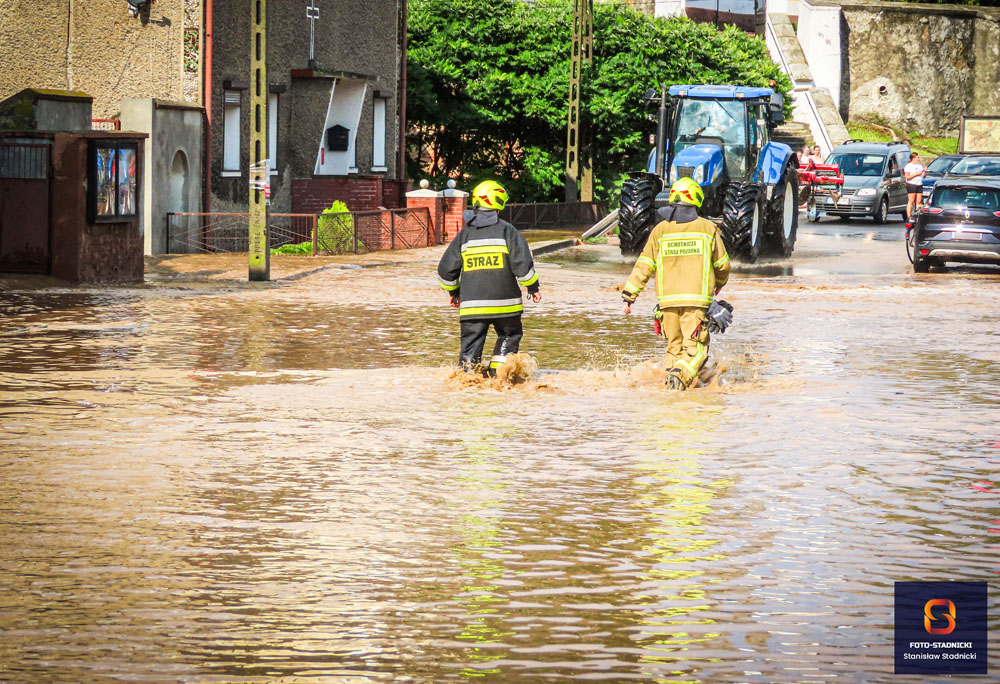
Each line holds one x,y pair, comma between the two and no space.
816,124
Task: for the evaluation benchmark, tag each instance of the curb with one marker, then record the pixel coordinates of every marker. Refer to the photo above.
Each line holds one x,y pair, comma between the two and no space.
555,246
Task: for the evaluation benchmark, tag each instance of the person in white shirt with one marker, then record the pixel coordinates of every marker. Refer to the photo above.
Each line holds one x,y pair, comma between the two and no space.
914,174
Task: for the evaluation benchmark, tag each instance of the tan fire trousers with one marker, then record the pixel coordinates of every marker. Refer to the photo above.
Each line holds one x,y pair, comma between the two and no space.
684,329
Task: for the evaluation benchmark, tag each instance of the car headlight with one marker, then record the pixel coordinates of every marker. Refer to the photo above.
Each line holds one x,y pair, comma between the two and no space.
699,175
866,192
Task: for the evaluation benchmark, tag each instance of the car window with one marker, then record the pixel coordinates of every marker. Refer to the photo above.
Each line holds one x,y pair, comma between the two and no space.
966,198
858,164
980,166
942,164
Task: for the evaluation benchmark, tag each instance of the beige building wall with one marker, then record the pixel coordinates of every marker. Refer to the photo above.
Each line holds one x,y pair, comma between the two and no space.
94,46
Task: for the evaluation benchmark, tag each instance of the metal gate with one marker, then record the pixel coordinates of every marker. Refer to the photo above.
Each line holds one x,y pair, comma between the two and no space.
24,207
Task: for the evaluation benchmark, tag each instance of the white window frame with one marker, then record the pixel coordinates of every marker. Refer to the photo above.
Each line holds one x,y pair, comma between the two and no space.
272,132
232,134
379,106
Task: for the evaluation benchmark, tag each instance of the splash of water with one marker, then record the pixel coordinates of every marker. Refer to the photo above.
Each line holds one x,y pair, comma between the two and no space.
516,370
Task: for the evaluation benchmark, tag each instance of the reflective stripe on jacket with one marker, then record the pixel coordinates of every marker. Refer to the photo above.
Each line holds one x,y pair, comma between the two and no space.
689,260
484,266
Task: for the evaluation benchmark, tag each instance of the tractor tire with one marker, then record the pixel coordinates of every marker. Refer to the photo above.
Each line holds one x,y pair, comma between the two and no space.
637,212
741,221
783,216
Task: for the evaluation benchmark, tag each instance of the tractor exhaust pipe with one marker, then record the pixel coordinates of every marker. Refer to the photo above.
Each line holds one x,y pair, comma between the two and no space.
661,135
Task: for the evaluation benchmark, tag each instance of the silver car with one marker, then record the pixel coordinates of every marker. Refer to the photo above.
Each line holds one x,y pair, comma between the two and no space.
873,180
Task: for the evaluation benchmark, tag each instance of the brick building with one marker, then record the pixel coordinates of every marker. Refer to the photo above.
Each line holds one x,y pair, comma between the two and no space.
336,110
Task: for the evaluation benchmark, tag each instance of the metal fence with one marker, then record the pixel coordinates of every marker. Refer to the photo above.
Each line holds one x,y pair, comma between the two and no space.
552,215
189,232
371,231
355,232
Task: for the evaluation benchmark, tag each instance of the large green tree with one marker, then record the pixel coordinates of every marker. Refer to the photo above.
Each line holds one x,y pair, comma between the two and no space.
488,84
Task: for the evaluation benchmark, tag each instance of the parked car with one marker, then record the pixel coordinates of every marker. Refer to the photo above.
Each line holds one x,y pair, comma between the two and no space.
985,166
873,179
936,169
960,223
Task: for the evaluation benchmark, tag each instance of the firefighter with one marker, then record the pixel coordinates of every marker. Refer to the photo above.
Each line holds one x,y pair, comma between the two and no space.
481,270
686,253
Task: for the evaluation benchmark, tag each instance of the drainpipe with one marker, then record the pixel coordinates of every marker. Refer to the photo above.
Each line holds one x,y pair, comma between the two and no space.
401,173
206,97
69,46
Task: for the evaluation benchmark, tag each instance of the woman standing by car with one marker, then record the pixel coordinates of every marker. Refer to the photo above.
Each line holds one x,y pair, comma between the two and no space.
914,175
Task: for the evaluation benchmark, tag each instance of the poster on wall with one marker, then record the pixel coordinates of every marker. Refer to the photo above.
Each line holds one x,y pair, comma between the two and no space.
112,181
105,182
126,181
979,134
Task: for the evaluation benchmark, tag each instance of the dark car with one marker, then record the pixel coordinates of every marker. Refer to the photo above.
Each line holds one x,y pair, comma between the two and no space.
936,169
973,166
960,223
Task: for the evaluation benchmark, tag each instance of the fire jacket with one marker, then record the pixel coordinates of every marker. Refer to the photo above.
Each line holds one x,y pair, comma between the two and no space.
485,263
686,254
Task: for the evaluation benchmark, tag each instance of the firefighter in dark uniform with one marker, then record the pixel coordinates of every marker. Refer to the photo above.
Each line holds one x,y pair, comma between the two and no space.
686,254
483,269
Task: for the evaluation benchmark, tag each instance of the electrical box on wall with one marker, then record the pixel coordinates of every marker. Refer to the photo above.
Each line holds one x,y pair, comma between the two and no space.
336,138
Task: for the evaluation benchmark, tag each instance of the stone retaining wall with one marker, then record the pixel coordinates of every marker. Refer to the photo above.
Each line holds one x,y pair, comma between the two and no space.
918,66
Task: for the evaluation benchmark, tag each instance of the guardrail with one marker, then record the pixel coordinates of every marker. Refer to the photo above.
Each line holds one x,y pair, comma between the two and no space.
106,124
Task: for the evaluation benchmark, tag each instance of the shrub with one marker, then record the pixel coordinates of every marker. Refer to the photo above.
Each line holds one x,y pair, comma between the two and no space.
335,229
294,248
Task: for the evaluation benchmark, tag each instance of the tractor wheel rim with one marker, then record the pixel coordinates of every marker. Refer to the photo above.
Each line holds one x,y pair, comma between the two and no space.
790,207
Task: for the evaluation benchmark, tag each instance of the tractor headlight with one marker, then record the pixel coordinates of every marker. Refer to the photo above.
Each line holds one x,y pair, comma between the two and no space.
672,176
866,192
699,175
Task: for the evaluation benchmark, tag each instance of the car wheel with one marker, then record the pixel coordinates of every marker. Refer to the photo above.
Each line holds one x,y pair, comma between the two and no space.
882,213
921,265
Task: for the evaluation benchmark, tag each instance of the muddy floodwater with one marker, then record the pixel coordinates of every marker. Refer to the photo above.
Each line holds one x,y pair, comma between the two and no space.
213,481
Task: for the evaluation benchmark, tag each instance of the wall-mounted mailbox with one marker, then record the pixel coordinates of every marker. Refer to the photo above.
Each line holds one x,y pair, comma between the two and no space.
336,138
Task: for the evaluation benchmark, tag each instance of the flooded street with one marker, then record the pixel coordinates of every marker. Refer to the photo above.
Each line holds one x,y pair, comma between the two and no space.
213,481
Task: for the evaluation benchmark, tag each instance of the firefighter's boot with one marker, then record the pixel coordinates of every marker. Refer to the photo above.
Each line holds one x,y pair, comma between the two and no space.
675,382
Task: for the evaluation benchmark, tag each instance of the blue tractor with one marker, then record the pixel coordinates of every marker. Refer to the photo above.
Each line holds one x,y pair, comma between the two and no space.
721,137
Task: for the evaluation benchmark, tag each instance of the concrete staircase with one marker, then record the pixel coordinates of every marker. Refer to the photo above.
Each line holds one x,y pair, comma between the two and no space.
811,105
795,134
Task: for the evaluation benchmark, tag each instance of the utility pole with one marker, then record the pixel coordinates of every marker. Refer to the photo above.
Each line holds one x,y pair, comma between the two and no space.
581,57
260,253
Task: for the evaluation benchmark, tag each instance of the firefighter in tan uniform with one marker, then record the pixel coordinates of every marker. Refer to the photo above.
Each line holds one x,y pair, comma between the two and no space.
686,254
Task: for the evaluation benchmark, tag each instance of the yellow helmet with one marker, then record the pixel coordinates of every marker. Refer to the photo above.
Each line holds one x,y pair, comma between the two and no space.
686,190
489,195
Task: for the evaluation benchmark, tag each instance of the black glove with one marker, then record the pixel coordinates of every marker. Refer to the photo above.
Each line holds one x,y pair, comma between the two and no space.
719,316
